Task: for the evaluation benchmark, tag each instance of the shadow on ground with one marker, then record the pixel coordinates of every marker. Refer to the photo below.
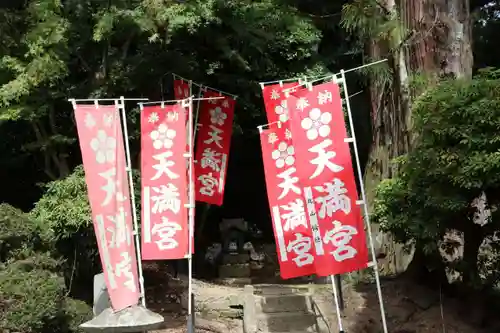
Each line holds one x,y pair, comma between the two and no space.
409,308
162,296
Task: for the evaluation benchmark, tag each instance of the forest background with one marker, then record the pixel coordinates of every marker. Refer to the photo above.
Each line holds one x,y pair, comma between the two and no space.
427,122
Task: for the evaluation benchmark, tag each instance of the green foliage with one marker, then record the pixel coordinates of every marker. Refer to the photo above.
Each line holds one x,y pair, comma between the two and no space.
455,158
374,20
485,32
76,313
154,17
43,59
380,74
369,20
35,301
18,234
420,81
457,124
64,210
366,18
52,50
238,33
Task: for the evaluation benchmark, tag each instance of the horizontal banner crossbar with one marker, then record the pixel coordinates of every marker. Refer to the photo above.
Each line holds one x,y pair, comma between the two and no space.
202,86
323,77
106,99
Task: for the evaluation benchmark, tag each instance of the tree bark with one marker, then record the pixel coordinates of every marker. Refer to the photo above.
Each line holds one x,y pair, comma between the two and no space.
438,45
473,238
426,270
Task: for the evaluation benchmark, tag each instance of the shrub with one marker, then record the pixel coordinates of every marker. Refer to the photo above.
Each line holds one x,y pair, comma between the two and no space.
33,295
18,233
455,159
65,210
34,300
77,312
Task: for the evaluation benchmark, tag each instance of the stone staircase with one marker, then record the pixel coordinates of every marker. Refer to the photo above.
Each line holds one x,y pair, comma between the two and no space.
235,269
280,309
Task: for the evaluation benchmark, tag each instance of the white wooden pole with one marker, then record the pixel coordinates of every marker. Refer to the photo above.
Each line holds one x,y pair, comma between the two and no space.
204,86
121,105
337,305
191,211
199,99
321,77
363,198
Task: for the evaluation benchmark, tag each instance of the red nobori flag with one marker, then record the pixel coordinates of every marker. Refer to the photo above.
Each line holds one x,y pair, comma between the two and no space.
275,101
181,89
164,184
103,155
294,241
212,147
326,173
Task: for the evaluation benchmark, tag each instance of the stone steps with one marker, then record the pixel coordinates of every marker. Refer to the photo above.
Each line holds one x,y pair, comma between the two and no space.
274,290
240,282
279,309
287,321
235,258
234,271
283,303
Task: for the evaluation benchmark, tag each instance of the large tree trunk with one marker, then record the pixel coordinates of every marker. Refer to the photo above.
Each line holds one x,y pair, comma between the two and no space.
437,43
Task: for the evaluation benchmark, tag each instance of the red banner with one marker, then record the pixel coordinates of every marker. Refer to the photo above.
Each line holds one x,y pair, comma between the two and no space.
103,155
164,184
294,241
212,147
181,89
325,170
275,102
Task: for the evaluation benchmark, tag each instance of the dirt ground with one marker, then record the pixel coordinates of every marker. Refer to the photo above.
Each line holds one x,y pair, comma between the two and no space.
409,308
166,295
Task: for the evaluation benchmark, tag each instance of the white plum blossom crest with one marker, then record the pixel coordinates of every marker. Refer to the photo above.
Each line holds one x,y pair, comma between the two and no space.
284,155
104,147
217,116
317,124
163,137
